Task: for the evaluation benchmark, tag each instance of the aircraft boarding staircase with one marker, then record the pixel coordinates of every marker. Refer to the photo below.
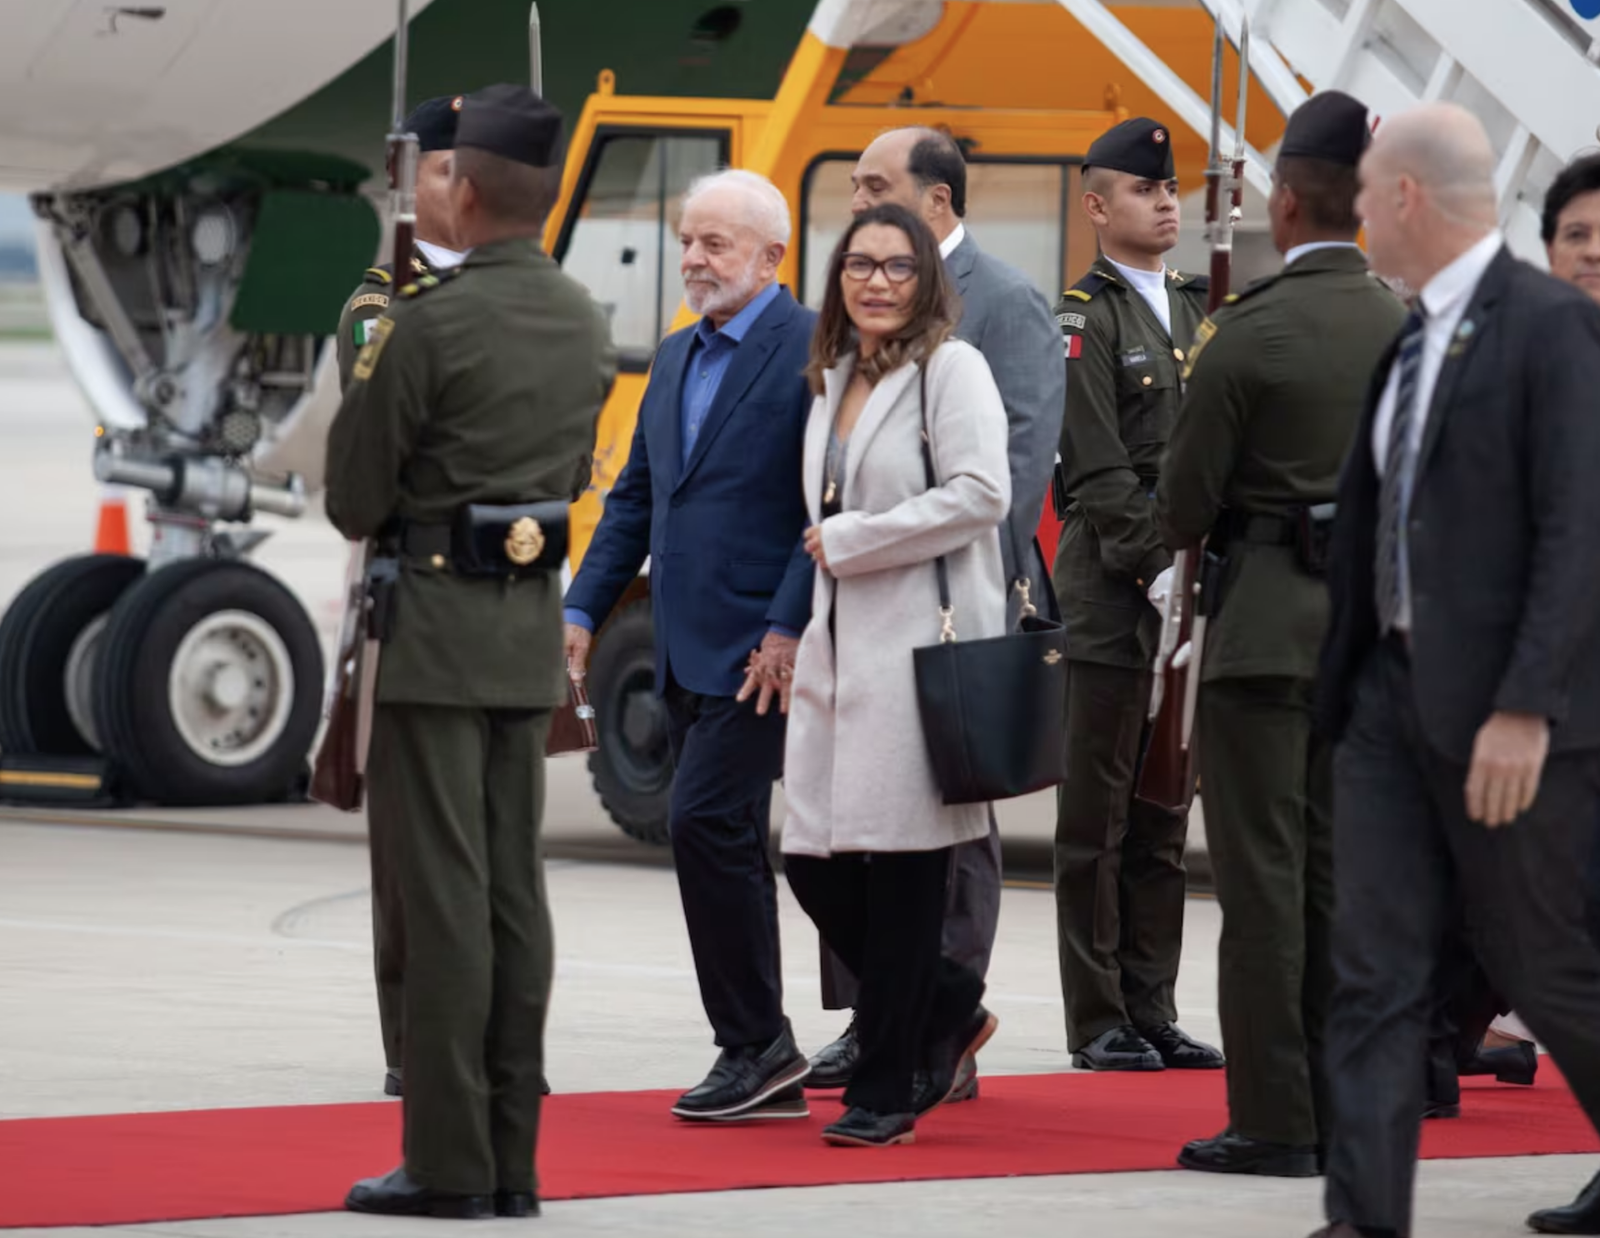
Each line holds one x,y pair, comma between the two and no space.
1529,69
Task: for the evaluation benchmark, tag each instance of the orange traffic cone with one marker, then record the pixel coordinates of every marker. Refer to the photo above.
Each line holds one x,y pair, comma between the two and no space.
111,531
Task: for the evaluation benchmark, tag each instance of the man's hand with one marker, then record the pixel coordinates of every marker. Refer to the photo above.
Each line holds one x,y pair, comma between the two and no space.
577,639
770,672
814,546
1507,760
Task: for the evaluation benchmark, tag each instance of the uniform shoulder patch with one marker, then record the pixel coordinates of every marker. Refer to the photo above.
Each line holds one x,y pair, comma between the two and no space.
380,299
1202,337
378,332
377,275
429,282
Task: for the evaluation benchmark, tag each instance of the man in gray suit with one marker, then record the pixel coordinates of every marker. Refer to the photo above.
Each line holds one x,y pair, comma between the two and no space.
1005,318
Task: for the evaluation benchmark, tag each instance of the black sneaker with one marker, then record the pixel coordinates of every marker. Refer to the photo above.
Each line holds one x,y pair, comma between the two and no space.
745,1079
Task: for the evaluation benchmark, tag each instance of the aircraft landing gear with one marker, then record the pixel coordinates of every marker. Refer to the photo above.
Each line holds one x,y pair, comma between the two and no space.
199,683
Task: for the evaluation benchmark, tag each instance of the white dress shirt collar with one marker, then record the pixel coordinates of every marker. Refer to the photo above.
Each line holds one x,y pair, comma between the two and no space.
1310,247
1445,296
949,244
439,258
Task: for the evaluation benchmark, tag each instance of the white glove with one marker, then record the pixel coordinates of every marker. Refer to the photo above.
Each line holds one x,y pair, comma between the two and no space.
1160,589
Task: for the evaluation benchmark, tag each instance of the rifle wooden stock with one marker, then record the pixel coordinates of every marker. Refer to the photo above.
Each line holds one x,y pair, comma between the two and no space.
1166,777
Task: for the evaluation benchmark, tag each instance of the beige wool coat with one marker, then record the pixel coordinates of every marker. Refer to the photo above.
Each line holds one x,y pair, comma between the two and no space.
856,773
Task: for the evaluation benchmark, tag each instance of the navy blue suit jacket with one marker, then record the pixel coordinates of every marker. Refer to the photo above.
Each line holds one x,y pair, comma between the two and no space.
723,532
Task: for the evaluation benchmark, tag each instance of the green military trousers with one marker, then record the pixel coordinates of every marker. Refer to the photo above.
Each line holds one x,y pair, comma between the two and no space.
1266,783
1119,875
464,790
388,934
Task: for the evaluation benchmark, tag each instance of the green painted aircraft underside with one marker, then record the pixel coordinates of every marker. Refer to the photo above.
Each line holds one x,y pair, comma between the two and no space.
701,48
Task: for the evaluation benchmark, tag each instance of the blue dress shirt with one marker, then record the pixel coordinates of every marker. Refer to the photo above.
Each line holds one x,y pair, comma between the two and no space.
709,357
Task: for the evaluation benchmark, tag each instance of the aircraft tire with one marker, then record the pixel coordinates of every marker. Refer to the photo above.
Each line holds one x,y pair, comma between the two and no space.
210,685
632,766
47,643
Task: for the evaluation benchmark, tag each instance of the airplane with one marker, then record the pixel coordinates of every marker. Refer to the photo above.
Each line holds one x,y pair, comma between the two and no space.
205,174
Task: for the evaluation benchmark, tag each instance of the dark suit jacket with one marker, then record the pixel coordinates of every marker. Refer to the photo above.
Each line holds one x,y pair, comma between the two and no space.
1008,320
724,532
1504,529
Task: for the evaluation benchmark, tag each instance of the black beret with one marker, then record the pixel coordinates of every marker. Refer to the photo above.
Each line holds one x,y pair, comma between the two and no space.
1139,146
512,122
434,123
1330,126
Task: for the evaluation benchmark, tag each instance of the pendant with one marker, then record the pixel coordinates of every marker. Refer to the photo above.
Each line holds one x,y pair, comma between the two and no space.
827,495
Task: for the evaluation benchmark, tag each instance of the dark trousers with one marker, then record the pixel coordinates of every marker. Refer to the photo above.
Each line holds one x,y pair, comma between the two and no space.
1592,898
388,932
1269,829
464,789
1465,1004
1409,862
727,759
971,918
1119,873
883,915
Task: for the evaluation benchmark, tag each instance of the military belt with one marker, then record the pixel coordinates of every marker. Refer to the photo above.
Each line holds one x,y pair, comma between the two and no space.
1260,528
491,539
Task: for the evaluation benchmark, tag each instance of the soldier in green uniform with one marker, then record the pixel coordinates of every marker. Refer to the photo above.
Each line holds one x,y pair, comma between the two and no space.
434,123
1119,876
476,396
1274,393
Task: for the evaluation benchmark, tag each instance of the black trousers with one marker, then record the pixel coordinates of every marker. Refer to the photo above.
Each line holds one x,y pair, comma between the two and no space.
883,914
720,816
1408,862
971,918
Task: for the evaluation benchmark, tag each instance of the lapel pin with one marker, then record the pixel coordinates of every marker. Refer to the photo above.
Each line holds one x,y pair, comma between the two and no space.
1465,329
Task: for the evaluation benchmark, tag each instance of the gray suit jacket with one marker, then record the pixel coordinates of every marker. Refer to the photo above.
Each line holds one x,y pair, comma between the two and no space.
1006,318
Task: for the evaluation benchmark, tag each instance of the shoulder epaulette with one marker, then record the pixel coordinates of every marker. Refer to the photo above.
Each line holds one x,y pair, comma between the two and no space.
432,280
1086,288
378,275
1250,289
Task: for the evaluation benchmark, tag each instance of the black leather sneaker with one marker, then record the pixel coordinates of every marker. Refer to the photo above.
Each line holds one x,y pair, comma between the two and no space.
745,1079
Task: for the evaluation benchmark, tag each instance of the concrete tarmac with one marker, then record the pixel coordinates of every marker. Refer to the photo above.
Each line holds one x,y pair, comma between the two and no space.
209,959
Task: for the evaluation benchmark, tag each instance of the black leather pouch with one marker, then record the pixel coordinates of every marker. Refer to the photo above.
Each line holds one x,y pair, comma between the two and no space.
1313,530
494,539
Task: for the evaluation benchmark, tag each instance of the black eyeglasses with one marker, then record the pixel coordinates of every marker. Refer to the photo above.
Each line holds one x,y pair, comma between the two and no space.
896,270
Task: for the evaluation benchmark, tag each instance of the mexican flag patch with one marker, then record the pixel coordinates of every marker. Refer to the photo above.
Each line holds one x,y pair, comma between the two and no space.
363,330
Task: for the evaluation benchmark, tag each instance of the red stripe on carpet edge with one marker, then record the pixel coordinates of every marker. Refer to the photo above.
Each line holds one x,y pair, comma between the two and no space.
145,1167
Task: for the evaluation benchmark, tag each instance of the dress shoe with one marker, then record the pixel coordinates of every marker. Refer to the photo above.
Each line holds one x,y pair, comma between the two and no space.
396,1194
1181,1051
516,1204
1121,1048
1440,1109
1229,1153
861,1128
1581,1216
952,1063
1337,1230
391,1081
834,1064
1517,1063
746,1078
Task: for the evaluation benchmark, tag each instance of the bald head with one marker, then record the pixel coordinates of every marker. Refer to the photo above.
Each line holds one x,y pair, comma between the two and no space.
918,168
1427,191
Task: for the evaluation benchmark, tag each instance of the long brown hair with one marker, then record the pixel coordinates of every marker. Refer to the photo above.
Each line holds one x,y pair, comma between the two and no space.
934,309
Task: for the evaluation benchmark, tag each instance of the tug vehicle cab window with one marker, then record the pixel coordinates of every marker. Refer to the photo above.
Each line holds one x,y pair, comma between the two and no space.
620,239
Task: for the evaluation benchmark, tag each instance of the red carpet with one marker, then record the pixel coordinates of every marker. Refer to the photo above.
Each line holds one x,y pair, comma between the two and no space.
126,1168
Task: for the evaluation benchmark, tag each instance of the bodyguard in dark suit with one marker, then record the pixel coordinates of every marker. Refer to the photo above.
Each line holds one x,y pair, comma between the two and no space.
1005,318
1461,673
1274,391
712,494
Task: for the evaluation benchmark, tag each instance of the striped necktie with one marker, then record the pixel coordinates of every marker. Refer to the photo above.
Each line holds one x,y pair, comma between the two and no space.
1399,463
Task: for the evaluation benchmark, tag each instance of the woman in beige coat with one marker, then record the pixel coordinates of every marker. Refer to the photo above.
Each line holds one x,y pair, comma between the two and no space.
868,837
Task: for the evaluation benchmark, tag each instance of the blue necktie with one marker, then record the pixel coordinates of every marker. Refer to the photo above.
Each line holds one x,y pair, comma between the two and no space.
1399,464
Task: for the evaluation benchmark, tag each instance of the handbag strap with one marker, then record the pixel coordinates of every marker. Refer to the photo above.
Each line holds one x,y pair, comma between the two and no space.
947,633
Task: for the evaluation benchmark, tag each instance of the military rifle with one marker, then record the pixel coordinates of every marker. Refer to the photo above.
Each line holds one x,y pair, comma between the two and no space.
1167,772
339,774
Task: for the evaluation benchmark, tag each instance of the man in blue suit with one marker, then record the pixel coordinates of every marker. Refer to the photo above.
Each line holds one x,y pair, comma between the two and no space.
712,494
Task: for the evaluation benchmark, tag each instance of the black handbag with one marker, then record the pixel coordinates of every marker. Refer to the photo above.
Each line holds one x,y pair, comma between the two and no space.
992,710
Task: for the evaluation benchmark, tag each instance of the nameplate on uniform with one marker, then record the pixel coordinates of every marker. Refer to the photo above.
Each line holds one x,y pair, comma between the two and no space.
1135,356
377,336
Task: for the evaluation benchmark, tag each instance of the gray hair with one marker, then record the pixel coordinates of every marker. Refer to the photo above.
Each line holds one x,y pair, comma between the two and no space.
766,210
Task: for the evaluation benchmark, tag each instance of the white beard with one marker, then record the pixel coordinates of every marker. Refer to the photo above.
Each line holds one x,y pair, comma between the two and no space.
716,298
